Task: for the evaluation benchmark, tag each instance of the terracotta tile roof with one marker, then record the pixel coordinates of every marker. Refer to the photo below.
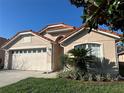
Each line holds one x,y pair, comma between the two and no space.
43,37
111,32
62,26
67,35
15,36
65,25
3,41
85,27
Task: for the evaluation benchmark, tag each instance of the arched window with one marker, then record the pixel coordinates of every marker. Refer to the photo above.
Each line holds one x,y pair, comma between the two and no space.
94,47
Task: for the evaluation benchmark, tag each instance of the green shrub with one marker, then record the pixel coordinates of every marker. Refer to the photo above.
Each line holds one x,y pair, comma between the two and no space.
71,74
78,65
64,74
105,77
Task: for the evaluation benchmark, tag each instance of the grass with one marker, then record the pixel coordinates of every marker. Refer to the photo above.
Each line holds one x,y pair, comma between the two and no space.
40,85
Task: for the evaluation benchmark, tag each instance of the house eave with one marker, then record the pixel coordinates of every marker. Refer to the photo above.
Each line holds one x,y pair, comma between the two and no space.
25,33
98,31
59,30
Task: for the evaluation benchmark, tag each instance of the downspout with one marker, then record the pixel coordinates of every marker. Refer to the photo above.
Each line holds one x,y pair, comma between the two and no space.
52,65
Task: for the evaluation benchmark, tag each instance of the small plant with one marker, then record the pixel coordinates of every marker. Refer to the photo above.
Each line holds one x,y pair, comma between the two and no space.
84,78
108,77
64,74
98,77
70,74
90,77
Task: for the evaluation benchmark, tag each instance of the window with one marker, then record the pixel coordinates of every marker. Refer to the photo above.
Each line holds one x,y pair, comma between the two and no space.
17,52
39,50
34,50
12,52
25,51
95,49
81,46
20,51
44,49
29,51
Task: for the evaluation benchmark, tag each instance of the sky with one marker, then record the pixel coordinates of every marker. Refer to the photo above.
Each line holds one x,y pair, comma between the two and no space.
20,15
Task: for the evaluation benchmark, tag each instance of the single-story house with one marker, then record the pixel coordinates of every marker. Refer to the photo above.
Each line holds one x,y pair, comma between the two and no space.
2,52
43,50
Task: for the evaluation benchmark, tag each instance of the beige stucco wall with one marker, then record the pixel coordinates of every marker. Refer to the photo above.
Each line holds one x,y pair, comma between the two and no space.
36,42
54,35
59,33
57,56
108,47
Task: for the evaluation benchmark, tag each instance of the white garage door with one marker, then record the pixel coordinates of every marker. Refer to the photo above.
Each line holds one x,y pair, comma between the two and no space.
30,59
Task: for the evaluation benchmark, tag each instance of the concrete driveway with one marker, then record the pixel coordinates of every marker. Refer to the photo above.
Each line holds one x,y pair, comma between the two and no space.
8,77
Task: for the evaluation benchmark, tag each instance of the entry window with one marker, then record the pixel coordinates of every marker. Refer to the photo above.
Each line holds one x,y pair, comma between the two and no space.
95,49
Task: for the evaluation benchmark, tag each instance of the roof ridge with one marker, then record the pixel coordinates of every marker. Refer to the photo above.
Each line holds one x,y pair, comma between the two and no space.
64,25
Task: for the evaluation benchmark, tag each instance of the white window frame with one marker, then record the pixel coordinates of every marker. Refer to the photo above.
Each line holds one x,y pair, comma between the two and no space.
101,48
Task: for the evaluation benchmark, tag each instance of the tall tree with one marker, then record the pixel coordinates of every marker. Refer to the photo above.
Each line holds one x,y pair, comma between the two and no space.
99,12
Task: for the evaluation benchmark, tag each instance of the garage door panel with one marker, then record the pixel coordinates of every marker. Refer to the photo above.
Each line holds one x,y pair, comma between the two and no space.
33,59
20,62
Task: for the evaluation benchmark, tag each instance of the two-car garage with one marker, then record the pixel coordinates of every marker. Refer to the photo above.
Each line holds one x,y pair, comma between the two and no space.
29,59
29,51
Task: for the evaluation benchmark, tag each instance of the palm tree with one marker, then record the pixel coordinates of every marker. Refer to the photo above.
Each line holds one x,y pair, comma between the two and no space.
79,58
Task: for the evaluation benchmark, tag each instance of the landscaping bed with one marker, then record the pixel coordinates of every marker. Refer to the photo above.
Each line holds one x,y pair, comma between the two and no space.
40,85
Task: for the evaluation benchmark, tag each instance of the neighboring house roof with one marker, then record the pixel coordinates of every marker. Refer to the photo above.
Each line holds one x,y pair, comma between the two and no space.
56,27
2,41
107,32
111,32
120,49
121,53
23,32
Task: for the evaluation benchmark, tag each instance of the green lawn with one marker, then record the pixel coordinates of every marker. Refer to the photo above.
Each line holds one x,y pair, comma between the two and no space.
33,85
